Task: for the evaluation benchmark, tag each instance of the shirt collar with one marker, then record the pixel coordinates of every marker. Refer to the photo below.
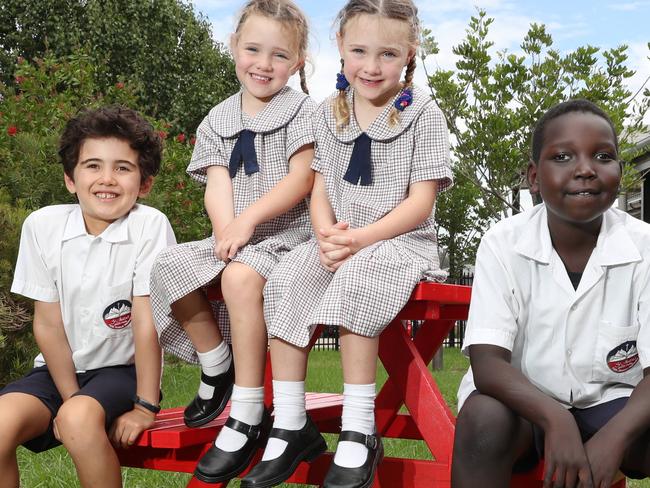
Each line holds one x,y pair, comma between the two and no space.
117,231
380,129
614,245
226,118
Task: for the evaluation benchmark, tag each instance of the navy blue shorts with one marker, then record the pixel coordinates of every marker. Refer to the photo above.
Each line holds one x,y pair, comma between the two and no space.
589,420
113,387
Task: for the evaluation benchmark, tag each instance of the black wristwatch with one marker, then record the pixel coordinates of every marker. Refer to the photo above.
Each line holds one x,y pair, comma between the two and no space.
145,404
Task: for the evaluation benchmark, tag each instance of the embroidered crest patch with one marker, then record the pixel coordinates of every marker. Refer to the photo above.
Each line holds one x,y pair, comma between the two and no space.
623,357
118,314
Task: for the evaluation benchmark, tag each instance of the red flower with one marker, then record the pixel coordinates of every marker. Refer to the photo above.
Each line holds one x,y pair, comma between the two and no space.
162,134
193,140
180,138
119,85
19,79
12,130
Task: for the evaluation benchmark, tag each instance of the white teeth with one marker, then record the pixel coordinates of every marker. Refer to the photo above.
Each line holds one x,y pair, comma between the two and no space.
260,78
106,196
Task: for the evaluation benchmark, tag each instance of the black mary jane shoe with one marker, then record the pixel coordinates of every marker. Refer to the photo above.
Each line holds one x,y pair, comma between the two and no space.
305,444
218,465
199,411
364,475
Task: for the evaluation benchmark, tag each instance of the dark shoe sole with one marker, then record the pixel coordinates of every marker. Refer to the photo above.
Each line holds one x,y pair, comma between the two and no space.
373,472
207,478
209,418
317,448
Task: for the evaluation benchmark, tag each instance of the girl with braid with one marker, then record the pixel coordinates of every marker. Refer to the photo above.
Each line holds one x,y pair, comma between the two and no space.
253,152
382,156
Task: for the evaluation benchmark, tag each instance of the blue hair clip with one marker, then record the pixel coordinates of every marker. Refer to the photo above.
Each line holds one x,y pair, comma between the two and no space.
404,100
341,81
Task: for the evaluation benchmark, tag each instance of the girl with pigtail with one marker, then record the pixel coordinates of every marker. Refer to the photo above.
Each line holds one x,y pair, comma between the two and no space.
382,155
253,152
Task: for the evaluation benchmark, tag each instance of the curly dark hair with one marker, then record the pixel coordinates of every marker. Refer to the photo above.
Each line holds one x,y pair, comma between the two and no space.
575,105
112,121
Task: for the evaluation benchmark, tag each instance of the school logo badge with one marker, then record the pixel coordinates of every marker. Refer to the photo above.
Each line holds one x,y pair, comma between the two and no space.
118,314
623,357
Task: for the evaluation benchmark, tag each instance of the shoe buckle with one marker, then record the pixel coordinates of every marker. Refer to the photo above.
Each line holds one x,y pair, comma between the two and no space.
253,432
371,441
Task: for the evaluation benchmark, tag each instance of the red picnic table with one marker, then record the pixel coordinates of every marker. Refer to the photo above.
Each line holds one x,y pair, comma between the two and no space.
171,446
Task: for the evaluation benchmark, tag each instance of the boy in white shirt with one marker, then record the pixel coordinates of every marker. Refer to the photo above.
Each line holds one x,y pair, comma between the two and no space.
558,333
86,266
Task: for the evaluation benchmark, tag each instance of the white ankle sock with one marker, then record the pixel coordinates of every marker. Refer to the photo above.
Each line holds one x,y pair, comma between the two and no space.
359,416
213,363
289,413
246,405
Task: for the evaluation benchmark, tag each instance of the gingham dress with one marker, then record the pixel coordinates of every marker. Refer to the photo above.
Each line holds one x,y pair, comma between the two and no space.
283,127
368,291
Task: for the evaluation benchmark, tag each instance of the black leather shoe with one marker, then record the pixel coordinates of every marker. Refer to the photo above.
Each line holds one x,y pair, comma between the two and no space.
218,465
199,411
364,475
305,444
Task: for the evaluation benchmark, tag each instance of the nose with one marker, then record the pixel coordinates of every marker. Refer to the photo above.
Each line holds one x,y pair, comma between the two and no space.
585,167
264,63
372,66
107,176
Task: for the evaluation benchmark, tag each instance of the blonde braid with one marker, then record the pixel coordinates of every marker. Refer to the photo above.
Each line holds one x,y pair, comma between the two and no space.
394,117
341,108
303,80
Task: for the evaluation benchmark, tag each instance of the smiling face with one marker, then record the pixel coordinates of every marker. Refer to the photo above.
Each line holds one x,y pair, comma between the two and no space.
375,50
578,172
107,181
265,57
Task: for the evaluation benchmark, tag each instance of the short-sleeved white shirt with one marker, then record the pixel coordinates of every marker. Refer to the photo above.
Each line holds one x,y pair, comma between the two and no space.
92,277
581,347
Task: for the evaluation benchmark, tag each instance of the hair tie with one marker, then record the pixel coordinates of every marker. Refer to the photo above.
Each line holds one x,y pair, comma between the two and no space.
404,100
341,81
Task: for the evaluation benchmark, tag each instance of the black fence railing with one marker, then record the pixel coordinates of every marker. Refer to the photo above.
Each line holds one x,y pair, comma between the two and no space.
329,339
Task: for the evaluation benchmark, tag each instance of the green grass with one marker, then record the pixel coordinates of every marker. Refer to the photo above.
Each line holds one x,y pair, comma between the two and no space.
54,469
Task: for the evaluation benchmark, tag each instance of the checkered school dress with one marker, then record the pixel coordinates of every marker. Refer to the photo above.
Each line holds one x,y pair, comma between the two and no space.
283,127
368,291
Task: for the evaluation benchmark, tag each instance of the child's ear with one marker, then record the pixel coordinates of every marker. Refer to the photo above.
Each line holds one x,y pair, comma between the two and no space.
531,177
69,184
339,43
299,64
233,43
145,186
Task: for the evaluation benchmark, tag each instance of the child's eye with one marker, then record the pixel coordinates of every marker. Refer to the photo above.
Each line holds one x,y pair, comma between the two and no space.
357,50
92,165
123,168
604,157
282,56
251,49
561,157
389,54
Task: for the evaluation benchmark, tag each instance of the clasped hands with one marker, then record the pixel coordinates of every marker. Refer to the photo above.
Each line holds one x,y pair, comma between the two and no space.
233,237
337,244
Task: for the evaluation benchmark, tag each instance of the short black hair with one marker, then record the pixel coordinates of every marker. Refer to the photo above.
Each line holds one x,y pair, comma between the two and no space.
575,105
111,121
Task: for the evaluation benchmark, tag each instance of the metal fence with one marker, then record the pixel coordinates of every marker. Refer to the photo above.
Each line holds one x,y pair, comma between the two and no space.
329,339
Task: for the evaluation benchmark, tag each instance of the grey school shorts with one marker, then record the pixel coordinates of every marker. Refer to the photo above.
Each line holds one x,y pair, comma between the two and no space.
113,387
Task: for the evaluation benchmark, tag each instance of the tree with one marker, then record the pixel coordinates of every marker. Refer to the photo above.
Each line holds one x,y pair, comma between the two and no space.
161,47
492,102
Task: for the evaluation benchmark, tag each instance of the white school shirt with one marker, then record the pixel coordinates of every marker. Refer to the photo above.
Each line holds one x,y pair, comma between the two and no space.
581,347
92,277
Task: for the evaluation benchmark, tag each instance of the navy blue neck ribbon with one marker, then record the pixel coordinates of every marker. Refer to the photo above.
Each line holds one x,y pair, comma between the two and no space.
359,167
244,150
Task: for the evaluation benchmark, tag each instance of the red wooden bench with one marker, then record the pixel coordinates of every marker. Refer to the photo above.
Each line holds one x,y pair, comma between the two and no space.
171,446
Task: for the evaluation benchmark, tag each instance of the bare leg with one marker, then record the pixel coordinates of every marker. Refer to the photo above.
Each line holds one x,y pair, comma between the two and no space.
358,357
489,439
242,289
289,361
80,423
22,417
194,313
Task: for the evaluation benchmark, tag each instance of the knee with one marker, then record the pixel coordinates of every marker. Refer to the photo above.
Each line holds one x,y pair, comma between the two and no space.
79,421
241,283
485,429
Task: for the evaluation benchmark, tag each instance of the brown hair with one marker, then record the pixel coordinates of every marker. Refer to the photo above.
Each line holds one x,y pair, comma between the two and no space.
404,10
290,16
113,121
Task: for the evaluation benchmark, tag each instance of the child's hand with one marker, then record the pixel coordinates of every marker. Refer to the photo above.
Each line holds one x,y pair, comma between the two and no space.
565,459
128,426
236,234
605,454
338,236
333,264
